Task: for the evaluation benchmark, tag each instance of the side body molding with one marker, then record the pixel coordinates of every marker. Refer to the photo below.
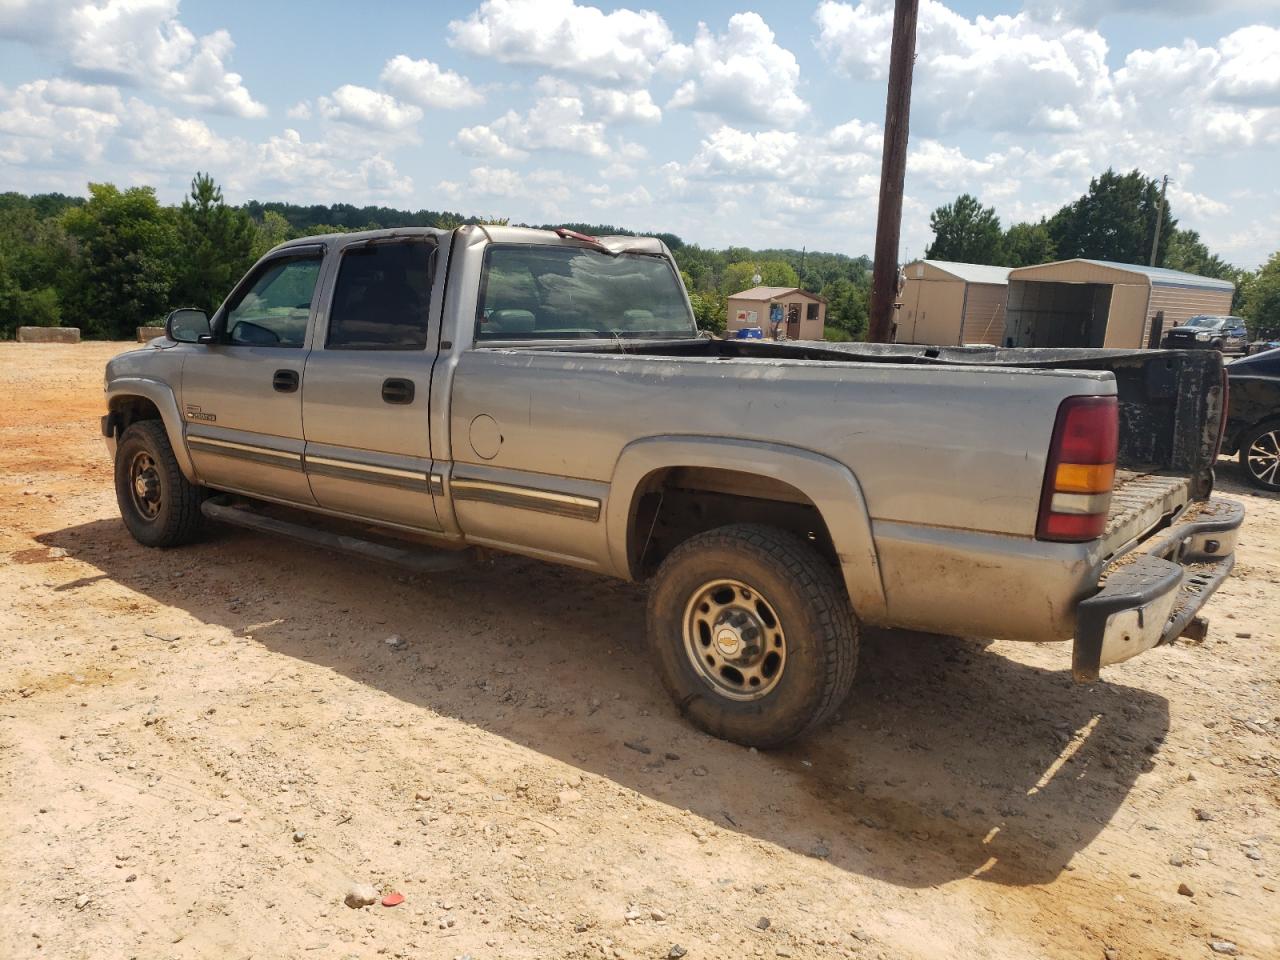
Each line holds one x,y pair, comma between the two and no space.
162,396
831,486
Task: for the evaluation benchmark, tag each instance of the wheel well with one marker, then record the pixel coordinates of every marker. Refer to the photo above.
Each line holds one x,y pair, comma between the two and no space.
128,410
675,503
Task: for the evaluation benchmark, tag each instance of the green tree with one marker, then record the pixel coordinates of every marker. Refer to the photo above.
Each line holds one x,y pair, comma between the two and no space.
710,310
34,254
847,308
965,232
271,232
1261,307
1187,252
1026,244
773,273
1114,220
216,246
124,274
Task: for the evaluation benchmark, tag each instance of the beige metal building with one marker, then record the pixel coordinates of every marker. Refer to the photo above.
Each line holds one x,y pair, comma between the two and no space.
1094,303
798,314
945,303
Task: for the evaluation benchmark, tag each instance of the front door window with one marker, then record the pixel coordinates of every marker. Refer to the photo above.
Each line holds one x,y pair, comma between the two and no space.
272,311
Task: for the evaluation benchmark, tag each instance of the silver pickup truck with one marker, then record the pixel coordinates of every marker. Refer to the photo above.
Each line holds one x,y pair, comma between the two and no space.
548,394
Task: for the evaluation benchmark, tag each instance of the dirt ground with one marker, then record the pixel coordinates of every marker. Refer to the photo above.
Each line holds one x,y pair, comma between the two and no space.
201,751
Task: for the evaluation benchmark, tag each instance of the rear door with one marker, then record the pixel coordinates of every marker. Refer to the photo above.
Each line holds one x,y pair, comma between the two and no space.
241,396
366,386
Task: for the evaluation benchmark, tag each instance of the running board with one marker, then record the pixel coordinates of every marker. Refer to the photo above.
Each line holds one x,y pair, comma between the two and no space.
423,560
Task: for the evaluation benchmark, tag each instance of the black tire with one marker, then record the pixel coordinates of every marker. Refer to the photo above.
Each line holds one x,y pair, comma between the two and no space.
804,596
1261,470
168,515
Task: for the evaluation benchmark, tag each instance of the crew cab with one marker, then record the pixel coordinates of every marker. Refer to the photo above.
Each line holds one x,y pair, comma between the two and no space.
548,394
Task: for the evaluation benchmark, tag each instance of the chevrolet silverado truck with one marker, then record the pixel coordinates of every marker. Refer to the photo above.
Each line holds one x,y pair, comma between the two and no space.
421,395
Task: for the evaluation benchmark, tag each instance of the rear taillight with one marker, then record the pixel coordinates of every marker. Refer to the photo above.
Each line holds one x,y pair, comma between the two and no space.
1081,470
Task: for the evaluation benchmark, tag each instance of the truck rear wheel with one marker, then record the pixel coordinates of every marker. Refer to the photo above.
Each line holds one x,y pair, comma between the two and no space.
752,634
158,504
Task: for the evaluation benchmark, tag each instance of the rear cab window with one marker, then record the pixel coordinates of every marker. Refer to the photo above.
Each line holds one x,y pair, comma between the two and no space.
548,292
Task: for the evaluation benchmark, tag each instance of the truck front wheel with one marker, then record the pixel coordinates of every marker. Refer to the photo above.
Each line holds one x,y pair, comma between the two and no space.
752,634
158,504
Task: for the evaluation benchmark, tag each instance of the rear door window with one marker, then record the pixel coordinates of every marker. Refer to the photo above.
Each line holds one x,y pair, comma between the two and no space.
382,297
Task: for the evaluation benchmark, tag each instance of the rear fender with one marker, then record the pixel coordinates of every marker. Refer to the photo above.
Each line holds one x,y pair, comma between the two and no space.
829,485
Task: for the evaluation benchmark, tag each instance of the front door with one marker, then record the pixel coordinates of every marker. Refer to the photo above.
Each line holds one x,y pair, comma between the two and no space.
365,390
793,321
241,396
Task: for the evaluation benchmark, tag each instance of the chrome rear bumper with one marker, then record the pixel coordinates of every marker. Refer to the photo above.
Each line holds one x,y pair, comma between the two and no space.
1151,595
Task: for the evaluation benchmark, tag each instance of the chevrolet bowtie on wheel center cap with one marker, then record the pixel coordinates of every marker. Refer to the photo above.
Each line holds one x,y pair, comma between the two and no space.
733,639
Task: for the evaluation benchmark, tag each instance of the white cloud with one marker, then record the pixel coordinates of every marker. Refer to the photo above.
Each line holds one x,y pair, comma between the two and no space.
428,85
555,123
1089,12
481,141
54,124
288,166
361,107
623,106
1247,70
137,43
999,72
739,75
738,154
944,167
299,111
56,134
622,46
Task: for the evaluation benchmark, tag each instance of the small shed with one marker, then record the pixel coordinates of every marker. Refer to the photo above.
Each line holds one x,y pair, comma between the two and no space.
1096,303
945,303
798,314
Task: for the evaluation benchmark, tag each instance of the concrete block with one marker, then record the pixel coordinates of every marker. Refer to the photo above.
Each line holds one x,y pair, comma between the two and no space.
48,334
149,333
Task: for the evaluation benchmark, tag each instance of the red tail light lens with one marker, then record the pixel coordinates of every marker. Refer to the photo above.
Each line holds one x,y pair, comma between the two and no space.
1081,470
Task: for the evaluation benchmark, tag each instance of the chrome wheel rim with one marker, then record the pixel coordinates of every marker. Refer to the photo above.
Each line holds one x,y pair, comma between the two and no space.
1264,457
734,639
144,485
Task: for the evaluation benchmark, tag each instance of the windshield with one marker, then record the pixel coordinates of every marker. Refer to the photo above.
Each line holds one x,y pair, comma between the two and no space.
1203,322
556,293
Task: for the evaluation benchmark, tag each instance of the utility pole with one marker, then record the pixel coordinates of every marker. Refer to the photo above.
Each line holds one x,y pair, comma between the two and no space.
1155,241
893,170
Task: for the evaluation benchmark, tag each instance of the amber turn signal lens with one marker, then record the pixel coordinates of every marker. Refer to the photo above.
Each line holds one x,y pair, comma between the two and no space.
1084,477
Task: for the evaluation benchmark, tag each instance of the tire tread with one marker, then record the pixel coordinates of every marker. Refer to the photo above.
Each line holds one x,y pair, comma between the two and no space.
817,582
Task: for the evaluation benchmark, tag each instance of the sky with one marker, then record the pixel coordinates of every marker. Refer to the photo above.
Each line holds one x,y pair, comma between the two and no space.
752,124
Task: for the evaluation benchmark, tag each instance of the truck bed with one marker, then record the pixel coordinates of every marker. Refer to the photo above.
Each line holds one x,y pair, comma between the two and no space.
1171,401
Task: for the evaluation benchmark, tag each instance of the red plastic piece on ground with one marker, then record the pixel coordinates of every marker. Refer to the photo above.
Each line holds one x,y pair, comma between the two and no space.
393,899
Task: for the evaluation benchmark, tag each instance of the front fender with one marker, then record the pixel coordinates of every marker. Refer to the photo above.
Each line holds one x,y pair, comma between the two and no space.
829,485
161,395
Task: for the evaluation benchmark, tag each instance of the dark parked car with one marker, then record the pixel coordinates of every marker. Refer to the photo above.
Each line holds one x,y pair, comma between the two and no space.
1226,334
1260,346
1253,417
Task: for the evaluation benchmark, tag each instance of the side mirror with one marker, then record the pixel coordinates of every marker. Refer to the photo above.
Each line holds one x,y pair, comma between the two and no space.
187,325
